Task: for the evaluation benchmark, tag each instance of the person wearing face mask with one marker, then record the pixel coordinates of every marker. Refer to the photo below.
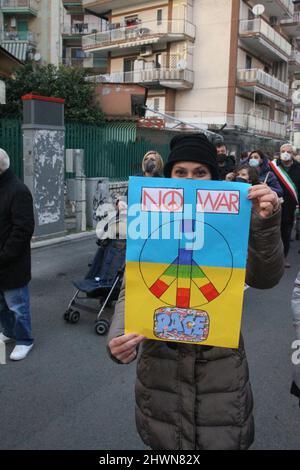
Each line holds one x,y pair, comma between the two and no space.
259,161
152,164
287,171
226,163
193,397
244,174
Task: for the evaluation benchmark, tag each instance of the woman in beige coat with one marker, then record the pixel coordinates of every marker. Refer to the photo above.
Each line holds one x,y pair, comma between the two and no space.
191,397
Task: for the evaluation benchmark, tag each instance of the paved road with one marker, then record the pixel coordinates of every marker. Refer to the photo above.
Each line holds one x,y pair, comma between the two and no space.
69,395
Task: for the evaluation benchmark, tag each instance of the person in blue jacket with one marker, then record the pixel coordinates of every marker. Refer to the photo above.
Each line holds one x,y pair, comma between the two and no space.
258,160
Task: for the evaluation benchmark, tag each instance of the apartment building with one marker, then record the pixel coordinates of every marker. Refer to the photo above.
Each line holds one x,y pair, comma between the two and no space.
30,29
291,26
77,23
206,62
150,43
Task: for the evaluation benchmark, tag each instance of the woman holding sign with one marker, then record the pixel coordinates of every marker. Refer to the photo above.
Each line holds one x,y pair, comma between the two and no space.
193,397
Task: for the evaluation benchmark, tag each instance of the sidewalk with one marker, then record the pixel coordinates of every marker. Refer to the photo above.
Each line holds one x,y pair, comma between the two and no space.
63,239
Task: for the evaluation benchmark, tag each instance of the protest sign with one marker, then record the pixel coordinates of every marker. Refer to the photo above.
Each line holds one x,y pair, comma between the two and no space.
187,243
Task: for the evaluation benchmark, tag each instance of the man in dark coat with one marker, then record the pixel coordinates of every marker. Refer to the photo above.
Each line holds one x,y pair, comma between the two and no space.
292,168
16,229
226,163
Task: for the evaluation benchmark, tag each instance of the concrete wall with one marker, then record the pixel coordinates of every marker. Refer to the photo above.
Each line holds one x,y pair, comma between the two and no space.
149,14
44,175
211,58
115,100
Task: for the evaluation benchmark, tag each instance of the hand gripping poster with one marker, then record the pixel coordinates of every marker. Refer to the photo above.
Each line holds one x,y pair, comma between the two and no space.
187,243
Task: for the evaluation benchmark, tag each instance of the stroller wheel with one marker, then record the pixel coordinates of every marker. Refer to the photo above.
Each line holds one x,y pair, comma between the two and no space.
74,317
67,315
102,327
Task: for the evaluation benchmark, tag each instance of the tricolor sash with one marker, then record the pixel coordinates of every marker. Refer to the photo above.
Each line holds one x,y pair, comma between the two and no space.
285,179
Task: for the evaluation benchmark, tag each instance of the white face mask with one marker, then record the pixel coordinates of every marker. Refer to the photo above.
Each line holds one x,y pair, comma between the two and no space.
286,157
254,163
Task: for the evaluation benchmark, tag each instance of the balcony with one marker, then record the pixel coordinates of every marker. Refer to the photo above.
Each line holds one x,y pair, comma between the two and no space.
291,25
79,29
294,62
104,6
261,126
258,81
24,7
18,36
163,77
87,62
139,35
278,8
252,124
261,38
73,7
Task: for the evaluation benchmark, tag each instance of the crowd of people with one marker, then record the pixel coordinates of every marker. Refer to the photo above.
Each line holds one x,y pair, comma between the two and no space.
280,172
188,397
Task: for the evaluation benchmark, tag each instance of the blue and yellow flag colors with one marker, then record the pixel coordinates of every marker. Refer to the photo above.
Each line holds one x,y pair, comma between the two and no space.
187,244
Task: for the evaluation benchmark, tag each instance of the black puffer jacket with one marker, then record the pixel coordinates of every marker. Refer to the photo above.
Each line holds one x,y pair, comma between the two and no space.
16,229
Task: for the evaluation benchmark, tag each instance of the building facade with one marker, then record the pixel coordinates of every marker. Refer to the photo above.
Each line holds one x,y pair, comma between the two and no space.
31,29
206,63
77,23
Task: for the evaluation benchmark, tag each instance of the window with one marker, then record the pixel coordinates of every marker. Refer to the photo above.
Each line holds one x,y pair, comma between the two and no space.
131,21
158,59
248,62
156,104
159,17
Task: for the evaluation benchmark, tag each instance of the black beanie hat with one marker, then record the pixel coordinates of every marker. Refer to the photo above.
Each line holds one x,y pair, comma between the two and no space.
192,148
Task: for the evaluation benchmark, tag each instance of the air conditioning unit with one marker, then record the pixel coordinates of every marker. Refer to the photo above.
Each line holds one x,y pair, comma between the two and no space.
274,20
146,51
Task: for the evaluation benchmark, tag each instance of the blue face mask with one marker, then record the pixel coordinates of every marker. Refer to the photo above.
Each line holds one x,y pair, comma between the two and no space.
254,163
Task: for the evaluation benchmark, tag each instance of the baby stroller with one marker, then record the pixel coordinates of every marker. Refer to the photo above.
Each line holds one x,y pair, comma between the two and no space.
103,282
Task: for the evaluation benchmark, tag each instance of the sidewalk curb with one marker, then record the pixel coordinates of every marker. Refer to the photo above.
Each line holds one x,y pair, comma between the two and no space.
62,240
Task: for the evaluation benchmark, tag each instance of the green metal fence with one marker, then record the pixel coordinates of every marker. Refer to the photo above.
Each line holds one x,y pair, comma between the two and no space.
110,150
11,141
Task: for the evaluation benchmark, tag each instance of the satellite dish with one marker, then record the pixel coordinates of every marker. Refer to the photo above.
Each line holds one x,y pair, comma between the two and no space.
296,97
181,65
37,57
258,10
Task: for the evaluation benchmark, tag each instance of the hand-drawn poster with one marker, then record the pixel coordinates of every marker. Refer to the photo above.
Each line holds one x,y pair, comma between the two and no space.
186,258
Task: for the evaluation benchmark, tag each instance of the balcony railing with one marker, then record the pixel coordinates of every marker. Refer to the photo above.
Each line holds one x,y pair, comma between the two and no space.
247,122
18,36
289,5
260,27
21,5
146,76
132,34
85,62
81,28
295,56
259,77
295,18
278,7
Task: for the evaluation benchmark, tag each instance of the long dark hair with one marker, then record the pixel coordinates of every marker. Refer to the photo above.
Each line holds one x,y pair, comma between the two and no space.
253,173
